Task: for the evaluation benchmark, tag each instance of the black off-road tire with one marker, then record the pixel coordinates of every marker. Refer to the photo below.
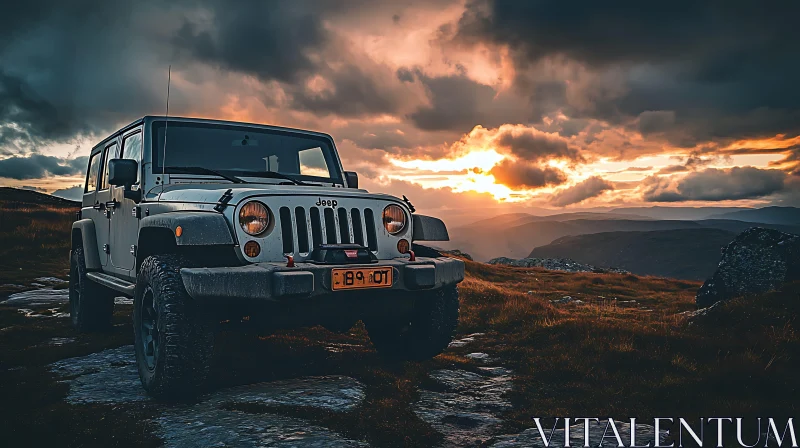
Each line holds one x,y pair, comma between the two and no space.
91,306
178,363
426,334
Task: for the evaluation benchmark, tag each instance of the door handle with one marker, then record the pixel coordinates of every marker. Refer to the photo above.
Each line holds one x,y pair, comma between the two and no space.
111,204
97,206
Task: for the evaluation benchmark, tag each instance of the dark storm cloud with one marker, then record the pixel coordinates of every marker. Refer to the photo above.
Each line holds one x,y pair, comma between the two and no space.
74,69
21,105
725,69
405,75
532,145
654,121
457,103
270,40
714,185
521,174
36,166
589,188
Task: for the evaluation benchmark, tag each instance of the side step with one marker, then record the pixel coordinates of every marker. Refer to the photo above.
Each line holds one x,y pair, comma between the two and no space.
112,282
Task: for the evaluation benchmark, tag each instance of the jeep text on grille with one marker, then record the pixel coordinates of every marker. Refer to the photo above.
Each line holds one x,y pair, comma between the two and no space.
204,222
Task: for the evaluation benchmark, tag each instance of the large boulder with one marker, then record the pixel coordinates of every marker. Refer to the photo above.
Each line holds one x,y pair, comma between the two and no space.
756,261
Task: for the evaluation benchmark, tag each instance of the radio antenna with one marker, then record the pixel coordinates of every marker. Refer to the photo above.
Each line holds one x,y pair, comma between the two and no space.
166,127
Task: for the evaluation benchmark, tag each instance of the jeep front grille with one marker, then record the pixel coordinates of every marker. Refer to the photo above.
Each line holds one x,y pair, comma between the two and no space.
304,229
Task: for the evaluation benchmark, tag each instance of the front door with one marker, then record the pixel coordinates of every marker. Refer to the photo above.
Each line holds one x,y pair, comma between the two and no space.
124,221
103,201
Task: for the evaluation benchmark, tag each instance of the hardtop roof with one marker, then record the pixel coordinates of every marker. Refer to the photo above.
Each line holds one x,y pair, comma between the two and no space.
151,118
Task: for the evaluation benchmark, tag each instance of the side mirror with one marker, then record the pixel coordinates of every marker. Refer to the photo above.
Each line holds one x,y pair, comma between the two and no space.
122,172
125,172
351,177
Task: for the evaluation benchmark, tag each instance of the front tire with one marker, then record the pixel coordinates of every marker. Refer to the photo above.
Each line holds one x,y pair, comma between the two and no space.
425,334
91,306
173,340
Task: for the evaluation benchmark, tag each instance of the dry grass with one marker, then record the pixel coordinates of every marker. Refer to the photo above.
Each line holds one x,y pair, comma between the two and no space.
36,240
601,359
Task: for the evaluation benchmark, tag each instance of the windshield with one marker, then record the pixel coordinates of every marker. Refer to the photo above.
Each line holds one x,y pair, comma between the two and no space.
244,151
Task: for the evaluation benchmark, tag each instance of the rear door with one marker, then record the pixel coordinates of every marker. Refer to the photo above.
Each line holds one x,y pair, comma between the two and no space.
90,207
103,201
124,222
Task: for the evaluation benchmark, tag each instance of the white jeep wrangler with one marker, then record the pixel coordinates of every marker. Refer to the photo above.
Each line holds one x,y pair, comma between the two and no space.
204,221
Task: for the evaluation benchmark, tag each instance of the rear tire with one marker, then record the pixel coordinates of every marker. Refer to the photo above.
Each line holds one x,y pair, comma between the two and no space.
173,340
425,334
91,306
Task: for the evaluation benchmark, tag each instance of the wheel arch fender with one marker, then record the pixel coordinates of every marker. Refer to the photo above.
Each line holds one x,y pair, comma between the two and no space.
84,235
428,228
158,233
197,228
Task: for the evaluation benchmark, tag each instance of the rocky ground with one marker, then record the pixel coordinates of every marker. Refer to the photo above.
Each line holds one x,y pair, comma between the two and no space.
461,403
461,397
531,342
554,264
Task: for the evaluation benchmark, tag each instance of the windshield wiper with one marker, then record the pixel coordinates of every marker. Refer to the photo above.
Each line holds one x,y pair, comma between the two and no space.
203,170
274,175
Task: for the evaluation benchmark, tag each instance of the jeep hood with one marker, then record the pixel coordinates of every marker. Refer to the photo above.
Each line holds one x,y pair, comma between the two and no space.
211,193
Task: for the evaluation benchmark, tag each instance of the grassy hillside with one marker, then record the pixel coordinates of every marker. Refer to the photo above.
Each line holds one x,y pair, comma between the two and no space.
35,230
602,359
681,253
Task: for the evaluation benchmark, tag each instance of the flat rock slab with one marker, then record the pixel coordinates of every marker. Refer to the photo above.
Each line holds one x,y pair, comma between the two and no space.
38,298
467,414
204,425
468,339
111,377
531,438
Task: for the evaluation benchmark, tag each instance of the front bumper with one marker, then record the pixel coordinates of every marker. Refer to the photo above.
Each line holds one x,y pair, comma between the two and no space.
275,281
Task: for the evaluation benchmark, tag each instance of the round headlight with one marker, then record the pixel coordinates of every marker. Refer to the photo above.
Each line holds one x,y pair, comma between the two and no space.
254,218
394,219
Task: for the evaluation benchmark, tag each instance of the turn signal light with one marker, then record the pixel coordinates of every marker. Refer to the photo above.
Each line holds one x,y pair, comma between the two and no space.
252,249
178,231
402,246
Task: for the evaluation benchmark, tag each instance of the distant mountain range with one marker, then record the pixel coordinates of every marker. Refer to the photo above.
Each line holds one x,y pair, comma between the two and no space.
767,215
643,240
691,254
682,213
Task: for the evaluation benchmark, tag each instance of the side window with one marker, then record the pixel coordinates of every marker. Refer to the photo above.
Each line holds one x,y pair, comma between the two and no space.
111,153
91,174
132,147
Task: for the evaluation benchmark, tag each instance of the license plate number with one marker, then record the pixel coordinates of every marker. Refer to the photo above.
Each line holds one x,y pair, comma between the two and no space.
361,278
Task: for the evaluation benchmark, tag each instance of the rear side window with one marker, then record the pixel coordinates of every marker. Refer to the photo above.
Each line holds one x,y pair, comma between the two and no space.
91,175
132,147
111,153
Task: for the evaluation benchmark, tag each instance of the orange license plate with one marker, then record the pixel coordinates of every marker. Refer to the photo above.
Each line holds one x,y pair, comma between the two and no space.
361,278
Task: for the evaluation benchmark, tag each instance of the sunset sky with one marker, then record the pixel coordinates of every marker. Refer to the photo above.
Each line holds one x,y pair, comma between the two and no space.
486,106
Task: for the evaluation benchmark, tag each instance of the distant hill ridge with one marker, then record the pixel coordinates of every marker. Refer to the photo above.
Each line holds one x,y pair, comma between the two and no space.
767,215
690,254
20,197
